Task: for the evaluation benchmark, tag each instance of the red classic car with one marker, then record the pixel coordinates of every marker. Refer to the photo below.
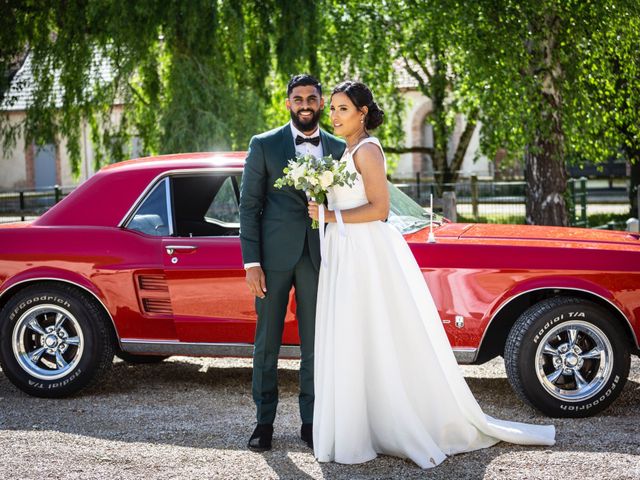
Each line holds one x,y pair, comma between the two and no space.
143,261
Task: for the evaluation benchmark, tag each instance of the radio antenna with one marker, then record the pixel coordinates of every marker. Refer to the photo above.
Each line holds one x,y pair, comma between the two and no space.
432,237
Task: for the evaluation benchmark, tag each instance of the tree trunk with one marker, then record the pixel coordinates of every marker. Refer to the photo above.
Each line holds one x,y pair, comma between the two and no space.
635,184
436,88
439,159
546,180
446,174
453,170
545,171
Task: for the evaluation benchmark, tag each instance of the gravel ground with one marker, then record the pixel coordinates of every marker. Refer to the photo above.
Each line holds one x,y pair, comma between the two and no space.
191,418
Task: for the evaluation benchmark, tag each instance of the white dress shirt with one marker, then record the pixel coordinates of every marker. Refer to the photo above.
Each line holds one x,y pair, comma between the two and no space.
306,147
301,149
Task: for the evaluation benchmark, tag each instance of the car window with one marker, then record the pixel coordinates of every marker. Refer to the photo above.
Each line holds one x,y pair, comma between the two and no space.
151,217
224,207
206,205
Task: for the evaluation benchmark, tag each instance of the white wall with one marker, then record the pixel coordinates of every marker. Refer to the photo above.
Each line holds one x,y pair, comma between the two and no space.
13,169
418,106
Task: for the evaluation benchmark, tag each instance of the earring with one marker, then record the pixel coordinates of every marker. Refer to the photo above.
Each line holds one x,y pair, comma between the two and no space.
362,120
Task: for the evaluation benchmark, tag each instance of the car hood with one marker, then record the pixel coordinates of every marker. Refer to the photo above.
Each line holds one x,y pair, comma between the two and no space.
566,235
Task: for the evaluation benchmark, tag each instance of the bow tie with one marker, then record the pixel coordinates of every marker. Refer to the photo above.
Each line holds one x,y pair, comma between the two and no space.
312,140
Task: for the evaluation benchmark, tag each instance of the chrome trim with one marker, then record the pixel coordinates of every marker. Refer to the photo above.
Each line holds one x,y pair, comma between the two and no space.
150,191
72,283
567,359
174,347
54,341
506,302
171,249
167,193
156,179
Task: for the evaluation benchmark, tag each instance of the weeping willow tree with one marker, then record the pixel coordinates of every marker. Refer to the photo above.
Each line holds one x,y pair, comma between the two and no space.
549,81
188,76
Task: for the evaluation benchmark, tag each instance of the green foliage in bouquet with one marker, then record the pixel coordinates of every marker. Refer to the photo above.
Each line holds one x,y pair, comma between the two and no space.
315,176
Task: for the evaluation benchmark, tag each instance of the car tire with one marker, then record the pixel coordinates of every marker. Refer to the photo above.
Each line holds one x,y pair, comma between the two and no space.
139,359
567,357
55,340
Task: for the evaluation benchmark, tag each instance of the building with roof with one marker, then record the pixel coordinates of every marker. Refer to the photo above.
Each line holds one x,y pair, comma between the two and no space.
35,166
44,165
419,133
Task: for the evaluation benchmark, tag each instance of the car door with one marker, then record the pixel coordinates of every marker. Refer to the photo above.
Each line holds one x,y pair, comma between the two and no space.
203,261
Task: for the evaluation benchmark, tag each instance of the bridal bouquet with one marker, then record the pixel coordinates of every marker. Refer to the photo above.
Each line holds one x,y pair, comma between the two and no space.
315,176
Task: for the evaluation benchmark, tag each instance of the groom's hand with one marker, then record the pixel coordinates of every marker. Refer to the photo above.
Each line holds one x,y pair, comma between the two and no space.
256,281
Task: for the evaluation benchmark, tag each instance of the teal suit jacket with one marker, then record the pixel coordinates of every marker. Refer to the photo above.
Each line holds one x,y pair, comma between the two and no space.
274,223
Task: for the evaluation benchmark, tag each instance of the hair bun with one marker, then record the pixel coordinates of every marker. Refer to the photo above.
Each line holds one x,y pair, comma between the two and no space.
375,116
362,97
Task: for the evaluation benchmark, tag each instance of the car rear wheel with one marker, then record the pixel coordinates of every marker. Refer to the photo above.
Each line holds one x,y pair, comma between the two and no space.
567,357
54,340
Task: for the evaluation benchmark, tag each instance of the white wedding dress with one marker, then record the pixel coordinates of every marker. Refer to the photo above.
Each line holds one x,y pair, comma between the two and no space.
386,379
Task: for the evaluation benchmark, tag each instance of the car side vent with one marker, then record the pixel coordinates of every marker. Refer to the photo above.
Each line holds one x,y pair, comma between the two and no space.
153,293
157,305
157,283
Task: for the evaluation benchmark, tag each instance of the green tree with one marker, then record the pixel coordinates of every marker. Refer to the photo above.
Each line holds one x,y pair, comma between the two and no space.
541,71
550,80
353,43
422,35
617,90
190,76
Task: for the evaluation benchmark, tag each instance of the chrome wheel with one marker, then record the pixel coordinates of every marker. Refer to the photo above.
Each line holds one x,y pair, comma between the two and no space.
47,342
574,360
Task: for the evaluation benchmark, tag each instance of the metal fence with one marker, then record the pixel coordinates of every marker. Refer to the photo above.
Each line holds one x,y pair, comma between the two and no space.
494,202
29,204
476,201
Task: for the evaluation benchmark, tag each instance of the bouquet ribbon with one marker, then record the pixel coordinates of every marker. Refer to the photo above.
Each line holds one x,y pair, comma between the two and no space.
323,256
341,230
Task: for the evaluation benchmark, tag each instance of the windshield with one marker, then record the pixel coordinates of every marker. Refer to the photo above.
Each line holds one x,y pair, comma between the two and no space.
406,215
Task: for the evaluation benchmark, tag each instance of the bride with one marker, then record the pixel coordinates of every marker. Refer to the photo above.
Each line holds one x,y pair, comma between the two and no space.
386,379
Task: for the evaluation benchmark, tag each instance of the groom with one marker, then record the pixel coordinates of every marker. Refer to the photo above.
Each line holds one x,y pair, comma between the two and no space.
280,250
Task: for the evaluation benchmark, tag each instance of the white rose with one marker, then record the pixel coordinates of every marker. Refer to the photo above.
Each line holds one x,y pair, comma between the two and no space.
297,173
326,179
312,181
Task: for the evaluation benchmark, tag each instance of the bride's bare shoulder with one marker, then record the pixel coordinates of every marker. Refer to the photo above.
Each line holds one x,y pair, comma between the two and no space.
368,153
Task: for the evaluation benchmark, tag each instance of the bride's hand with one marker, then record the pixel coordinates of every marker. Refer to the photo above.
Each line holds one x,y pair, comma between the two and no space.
313,210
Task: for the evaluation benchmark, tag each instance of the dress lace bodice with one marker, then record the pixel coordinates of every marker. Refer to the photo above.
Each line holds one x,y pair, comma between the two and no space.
343,198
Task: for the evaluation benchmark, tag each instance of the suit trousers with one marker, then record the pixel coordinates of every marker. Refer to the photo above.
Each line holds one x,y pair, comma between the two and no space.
271,313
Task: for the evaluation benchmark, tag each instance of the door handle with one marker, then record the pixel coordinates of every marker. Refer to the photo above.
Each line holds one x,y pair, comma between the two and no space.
171,249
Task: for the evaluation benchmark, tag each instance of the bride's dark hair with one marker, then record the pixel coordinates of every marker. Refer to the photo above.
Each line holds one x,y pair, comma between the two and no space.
361,96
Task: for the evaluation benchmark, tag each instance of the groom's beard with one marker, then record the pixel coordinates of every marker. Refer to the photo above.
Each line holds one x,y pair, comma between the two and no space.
306,125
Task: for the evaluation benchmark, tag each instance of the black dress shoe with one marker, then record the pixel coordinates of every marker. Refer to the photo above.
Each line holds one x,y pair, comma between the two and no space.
260,440
306,434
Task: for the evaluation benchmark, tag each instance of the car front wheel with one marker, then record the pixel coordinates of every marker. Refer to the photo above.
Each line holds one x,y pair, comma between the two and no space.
567,357
54,340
